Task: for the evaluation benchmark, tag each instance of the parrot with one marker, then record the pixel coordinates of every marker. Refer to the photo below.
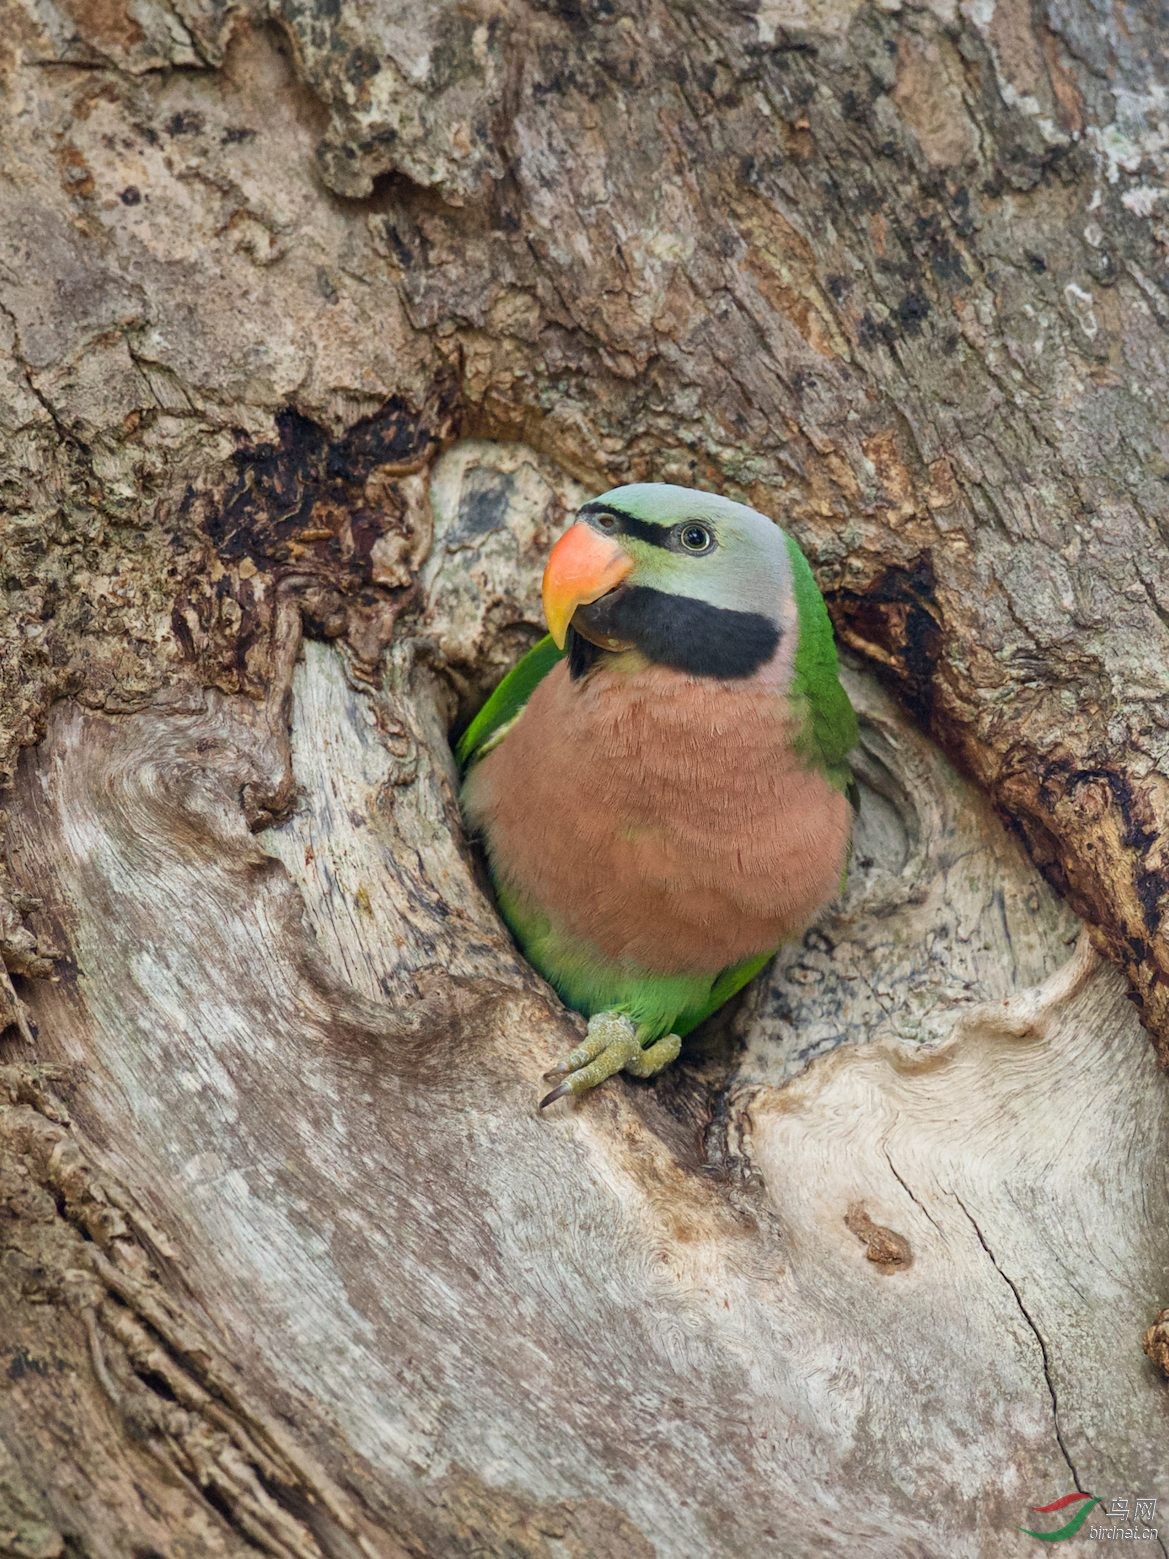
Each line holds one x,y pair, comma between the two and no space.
661,784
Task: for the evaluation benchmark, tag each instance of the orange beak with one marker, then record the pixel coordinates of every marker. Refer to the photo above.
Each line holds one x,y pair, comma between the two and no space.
582,567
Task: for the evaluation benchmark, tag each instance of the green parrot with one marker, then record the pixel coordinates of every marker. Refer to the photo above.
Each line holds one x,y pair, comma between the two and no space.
661,784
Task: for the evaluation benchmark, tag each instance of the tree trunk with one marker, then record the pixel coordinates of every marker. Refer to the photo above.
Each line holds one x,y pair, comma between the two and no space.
317,322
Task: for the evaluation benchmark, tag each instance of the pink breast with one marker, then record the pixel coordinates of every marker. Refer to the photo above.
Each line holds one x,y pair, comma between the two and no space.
665,820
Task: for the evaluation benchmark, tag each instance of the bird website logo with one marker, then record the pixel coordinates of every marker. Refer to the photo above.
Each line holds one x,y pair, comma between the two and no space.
1111,1524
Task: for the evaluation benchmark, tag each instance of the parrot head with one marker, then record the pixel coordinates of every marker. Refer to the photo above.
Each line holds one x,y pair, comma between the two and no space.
687,579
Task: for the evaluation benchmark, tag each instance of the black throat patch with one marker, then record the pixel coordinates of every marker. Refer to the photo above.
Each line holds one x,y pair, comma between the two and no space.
677,631
582,655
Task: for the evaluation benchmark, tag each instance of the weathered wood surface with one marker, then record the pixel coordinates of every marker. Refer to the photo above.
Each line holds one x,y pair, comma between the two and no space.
885,1303
898,275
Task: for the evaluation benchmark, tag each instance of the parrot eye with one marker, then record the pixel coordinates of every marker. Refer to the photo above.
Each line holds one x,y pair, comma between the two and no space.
695,538
605,522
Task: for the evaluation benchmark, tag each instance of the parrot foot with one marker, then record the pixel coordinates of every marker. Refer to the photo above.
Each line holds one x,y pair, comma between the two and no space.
612,1046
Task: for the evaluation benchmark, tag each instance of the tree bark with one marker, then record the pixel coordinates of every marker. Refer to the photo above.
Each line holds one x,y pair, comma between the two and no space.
316,323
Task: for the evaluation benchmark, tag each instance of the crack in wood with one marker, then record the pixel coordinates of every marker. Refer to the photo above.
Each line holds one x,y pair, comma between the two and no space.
1036,1333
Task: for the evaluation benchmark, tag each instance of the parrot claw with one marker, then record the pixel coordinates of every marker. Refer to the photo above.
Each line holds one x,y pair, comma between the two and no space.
557,1093
613,1044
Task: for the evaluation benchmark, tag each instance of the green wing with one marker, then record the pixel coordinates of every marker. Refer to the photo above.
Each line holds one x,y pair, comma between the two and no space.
506,702
831,723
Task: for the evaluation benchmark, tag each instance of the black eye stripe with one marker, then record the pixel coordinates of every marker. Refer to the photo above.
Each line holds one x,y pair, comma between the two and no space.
653,535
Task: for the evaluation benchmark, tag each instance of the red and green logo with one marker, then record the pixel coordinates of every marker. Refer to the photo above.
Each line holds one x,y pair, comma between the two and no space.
1069,1528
